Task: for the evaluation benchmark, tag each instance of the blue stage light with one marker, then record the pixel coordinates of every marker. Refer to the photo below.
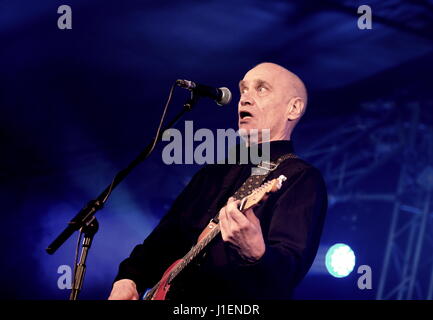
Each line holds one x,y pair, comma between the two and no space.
340,260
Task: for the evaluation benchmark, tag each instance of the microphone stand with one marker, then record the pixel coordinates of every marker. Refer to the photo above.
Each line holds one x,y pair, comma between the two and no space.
89,231
85,218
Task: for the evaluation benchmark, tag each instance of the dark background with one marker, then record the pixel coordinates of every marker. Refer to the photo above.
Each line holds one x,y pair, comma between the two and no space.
77,105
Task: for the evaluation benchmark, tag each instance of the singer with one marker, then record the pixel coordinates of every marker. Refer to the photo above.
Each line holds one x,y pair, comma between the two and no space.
262,252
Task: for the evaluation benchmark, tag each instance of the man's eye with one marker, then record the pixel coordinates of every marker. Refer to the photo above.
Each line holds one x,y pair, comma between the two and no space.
261,89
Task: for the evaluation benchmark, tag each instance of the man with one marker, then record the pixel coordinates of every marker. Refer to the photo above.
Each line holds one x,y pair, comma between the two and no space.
262,253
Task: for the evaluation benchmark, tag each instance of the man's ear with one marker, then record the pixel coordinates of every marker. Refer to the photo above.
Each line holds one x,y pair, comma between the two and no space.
295,109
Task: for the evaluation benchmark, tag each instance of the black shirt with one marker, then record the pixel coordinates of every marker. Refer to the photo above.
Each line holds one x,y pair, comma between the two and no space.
291,220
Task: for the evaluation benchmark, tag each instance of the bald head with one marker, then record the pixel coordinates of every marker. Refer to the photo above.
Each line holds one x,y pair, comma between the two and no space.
290,82
275,97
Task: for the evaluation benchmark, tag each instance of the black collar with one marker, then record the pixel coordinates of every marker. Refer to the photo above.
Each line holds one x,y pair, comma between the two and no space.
279,148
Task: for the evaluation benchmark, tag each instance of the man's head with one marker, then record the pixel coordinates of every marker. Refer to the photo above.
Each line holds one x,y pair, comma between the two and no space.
272,98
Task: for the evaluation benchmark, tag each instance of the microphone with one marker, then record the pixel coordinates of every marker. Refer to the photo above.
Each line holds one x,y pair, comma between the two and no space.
222,96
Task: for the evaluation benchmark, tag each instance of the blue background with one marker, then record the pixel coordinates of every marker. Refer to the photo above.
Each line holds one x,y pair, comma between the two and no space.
77,105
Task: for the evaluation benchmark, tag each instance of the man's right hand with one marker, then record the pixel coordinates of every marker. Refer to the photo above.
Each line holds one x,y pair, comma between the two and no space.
124,289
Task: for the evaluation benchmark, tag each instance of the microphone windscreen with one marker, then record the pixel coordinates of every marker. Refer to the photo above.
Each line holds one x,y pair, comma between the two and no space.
226,96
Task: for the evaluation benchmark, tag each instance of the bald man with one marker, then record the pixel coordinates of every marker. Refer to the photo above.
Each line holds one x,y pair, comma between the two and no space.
262,253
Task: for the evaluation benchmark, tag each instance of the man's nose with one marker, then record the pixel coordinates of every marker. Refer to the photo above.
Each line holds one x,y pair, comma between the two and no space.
246,100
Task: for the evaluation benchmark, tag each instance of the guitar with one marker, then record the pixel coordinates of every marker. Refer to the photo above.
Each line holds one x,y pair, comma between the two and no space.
160,290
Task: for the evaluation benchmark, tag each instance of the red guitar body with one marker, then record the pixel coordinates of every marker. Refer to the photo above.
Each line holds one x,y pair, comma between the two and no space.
164,286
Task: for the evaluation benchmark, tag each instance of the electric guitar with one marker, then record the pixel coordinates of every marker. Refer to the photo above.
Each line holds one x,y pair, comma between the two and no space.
160,290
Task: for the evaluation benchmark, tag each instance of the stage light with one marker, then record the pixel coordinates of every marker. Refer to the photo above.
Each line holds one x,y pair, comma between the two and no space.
340,260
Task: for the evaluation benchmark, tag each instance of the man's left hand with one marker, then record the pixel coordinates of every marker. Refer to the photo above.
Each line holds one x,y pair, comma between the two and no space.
242,230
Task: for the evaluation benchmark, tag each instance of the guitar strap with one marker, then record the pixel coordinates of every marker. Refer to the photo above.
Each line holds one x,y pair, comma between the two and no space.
259,175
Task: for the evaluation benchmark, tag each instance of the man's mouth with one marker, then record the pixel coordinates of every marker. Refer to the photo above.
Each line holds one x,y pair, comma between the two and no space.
244,115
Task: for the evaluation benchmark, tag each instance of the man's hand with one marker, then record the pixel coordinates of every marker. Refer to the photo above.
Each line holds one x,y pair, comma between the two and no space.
124,289
242,230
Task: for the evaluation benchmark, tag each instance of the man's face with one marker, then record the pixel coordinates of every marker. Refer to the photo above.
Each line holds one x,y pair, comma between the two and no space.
264,100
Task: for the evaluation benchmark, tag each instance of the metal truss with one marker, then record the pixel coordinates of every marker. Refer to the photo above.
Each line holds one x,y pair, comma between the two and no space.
362,148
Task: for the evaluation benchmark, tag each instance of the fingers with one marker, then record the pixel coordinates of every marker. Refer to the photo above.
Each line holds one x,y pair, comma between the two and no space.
223,216
231,199
229,226
224,224
234,216
233,221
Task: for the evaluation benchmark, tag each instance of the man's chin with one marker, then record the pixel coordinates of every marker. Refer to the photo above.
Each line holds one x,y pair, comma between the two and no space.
249,130
246,125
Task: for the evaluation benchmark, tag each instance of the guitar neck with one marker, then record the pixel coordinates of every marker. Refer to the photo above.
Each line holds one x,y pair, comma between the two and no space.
194,252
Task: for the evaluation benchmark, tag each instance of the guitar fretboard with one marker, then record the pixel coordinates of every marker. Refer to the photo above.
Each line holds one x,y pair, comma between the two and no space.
194,251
